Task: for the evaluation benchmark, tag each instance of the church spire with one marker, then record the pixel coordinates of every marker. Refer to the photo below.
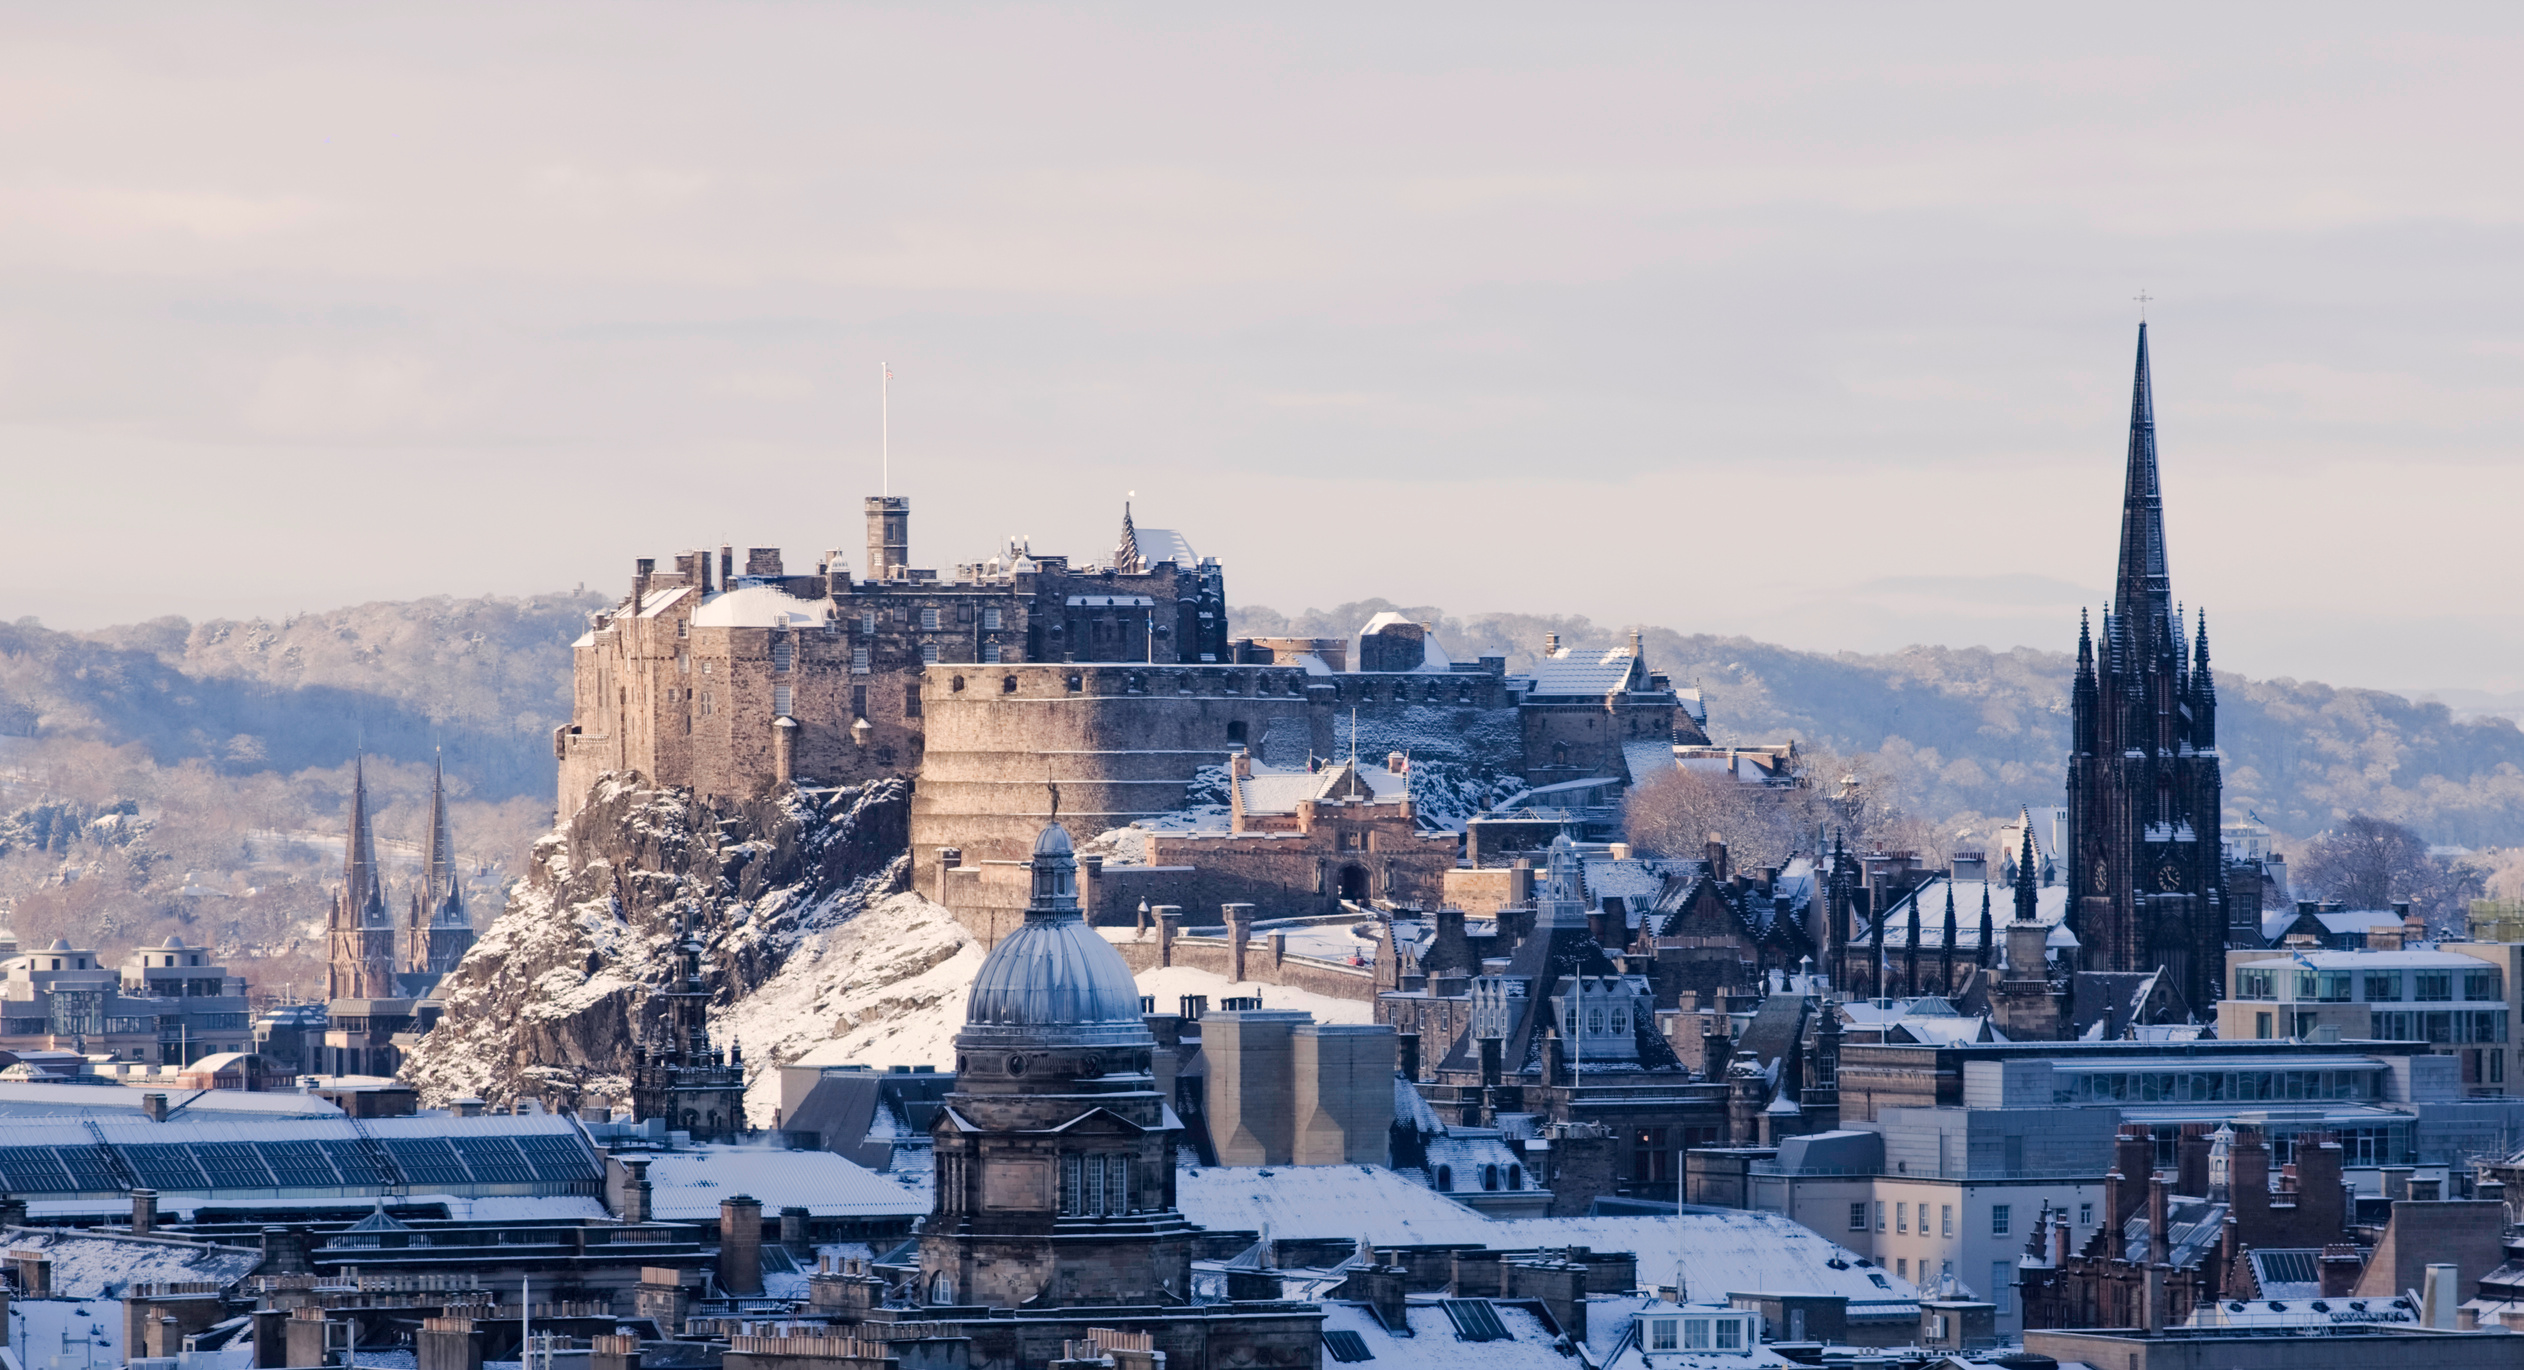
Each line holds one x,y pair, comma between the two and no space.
1126,557
2203,692
1945,950
1989,929
2143,590
363,894
2027,882
438,860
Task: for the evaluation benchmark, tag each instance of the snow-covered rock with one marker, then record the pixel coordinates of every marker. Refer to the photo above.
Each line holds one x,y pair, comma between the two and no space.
550,1000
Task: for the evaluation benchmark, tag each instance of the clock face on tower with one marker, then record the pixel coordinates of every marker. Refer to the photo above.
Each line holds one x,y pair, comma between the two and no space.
2169,877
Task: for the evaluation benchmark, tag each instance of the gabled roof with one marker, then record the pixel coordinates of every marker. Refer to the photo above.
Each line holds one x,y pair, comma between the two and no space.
1588,677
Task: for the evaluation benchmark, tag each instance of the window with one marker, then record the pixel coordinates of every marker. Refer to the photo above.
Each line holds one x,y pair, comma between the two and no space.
1902,1217
1695,1334
1730,1333
784,655
1445,1178
2002,1286
1621,1020
2001,1216
2255,984
2261,1025
1663,1335
780,701
1346,1347
709,703
2480,984
2383,986
990,620
1902,1267
867,622
1879,1215
2433,985
2332,986
990,652
928,620
1945,1220
1858,1216
858,701
2085,1215
858,661
683,663
1595,1022
928,654
911,700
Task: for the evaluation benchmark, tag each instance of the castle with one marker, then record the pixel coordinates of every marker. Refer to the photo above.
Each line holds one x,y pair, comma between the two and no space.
1025,688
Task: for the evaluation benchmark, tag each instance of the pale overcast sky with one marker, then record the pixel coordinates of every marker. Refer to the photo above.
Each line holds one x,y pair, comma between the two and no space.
1812,324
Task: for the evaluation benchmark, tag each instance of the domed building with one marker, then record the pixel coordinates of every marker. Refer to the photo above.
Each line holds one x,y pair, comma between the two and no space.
1055,1152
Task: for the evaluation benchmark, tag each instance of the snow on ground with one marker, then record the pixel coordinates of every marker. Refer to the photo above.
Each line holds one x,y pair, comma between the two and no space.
886,987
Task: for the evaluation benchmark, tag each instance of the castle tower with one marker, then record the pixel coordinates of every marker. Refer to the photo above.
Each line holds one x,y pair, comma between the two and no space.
2146,881
889,536
361,932
1055,1154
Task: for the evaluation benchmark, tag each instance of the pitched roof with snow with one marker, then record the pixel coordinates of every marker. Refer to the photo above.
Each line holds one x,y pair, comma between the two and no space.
757,606
1586,676
98,1266
689,1184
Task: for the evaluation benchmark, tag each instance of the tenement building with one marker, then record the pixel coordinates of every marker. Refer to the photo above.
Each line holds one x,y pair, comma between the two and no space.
2144,858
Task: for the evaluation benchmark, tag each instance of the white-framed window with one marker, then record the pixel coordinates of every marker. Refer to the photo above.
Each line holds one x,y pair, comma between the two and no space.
2001,1218
1662,1334
1730,1333
2085,1215
1695,1334
1902,1217
780,700
928,620
1945,1219
990,620
1879,1215
858,661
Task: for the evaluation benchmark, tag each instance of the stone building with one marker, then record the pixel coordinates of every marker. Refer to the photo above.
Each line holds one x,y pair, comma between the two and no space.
1025,689
725,680
676,1075
380,971
2144,856
167,1005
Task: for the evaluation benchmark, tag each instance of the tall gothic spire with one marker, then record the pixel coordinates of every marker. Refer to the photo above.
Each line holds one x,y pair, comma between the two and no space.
2142,592
438,860
1126,557
363,894
1945,951
1989,930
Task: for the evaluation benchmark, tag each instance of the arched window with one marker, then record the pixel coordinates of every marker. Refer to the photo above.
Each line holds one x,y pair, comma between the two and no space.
1559,753
1621,1020
1446,1178
942,1288
1516,1177
1489,1177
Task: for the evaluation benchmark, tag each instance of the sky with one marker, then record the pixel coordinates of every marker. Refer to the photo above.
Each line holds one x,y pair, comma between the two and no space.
1812,324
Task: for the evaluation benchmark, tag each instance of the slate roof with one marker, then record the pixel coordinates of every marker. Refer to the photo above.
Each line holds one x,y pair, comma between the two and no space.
1586,677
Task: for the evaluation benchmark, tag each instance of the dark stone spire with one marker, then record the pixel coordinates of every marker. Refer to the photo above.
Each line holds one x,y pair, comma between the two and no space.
2027,883
1945,949
439,883
1910,953
2203,692
1989,931
2143,590
363,893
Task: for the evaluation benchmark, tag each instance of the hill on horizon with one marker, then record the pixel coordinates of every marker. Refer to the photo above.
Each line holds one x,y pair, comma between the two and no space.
227,744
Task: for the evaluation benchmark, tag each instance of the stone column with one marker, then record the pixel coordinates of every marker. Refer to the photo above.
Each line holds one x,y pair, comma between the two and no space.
1239,932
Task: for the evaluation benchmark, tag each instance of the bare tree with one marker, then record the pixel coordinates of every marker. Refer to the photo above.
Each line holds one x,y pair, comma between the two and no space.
2369,862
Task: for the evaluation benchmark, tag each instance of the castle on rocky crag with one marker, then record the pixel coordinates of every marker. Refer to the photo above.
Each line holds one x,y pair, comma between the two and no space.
1026,687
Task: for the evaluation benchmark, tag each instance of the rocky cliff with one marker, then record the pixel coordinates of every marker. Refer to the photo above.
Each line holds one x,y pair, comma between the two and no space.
552,998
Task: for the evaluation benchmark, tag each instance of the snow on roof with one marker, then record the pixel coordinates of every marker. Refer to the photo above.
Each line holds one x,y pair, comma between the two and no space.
757,606
657,600
1313,665
1570,675
1694,705
2334,921
1277,791
36,1100
1721,1250
2050,908
1631,880
1647,759
95,1266
690,1184
1165,544
2375,960
1432,1344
